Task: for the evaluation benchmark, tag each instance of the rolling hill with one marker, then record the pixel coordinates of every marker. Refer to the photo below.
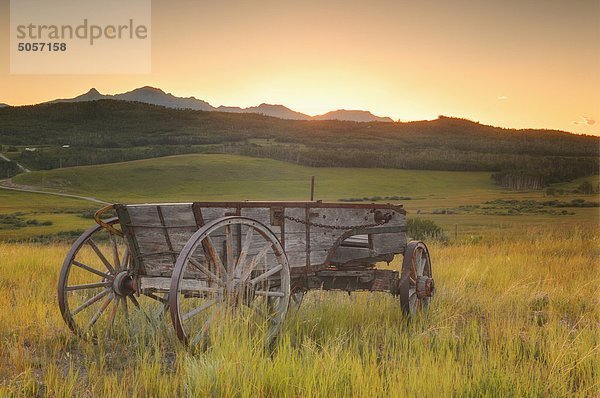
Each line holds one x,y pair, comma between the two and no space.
105,131
232,177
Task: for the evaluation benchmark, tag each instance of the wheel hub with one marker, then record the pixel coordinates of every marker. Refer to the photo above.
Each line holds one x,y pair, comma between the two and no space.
425,287
123,285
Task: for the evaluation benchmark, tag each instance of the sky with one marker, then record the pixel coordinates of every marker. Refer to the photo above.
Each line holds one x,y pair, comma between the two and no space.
509,63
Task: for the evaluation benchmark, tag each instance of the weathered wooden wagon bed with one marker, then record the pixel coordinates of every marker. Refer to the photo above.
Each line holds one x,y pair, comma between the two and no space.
208,260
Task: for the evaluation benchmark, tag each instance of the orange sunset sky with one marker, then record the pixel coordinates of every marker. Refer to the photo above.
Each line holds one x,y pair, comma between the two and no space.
502,62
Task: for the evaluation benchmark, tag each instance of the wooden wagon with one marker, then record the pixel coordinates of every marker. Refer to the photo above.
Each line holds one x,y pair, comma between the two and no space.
202,260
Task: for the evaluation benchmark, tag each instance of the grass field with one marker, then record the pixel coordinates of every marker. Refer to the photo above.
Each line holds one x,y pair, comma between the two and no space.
229,177
517,318
515,313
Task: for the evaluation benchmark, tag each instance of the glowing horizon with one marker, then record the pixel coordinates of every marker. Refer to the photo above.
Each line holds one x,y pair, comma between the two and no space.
501,63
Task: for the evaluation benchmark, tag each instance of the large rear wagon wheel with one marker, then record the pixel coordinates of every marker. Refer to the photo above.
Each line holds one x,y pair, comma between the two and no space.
416,282
232,270
96,287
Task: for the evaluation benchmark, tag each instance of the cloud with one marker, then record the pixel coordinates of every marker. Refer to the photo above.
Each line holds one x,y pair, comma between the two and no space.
502,98
585,121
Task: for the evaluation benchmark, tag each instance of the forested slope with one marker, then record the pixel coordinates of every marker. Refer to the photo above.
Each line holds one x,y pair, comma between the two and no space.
109,131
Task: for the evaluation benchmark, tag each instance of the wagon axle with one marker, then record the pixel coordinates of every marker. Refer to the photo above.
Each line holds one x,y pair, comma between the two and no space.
124,284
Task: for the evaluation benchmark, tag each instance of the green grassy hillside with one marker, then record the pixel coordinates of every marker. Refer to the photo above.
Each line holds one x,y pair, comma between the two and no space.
230,177
465,204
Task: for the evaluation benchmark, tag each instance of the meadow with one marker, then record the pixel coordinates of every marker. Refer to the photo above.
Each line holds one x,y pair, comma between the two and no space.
513,318
229,177
515,311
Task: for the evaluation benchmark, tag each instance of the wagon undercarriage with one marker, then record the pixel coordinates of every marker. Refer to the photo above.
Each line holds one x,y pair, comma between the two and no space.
208,261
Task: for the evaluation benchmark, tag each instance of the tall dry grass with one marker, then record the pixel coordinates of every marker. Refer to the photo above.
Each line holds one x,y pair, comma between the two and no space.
510,318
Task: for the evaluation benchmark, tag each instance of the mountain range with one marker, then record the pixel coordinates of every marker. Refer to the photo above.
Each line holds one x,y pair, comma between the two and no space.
156,96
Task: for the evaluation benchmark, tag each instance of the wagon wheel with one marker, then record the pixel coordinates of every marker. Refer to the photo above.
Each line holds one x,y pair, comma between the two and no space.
416,283
231,269
96,285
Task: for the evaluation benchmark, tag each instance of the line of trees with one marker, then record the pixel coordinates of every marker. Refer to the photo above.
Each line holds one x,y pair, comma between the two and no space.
8,169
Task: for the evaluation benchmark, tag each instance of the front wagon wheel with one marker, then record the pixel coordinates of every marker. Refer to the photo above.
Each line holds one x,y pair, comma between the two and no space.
96,285
232,272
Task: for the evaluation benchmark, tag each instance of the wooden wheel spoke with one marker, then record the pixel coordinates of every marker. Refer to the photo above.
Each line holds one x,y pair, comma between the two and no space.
139,307
100,255
239,267
125,261
111,318
198,309
209,248
248,271
229,252
87,286
267,274
269,293
413,269
115,253
206,271
205,326
125,309
90,301
92,270
102,308
413,300
421,263
157,298
134,301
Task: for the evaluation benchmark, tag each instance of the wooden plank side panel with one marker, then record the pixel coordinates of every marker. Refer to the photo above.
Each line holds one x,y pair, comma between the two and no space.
160,265
140,215
296,259
391,243
344,254
181,215
263,216
152,238
292,226
178,214
295,237
322,239
212,213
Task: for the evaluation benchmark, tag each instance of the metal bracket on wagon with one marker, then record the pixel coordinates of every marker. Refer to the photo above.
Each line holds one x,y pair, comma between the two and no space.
102,223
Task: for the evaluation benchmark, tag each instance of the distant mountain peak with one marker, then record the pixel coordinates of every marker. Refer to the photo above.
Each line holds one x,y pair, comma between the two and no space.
353,116
156,96
150,88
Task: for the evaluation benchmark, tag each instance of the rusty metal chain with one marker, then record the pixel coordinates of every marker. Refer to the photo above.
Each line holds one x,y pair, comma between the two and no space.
338,227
